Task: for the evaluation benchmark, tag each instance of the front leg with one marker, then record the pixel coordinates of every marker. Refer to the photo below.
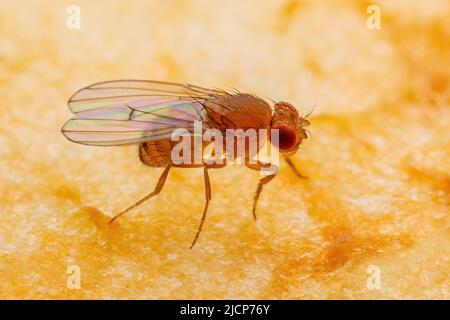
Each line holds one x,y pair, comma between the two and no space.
292,166
260,166
158,188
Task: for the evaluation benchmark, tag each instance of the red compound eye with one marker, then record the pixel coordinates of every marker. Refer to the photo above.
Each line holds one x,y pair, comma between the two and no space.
287,136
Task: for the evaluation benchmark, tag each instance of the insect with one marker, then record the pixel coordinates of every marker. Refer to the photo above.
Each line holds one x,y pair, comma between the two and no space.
146,113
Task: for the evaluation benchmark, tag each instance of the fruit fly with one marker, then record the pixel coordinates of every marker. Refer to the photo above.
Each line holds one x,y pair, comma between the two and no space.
146,113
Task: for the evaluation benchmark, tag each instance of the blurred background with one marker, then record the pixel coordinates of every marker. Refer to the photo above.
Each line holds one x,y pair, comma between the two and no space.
376,204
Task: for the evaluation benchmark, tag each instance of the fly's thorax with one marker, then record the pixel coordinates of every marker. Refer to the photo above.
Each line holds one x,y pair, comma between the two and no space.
245,143
238,111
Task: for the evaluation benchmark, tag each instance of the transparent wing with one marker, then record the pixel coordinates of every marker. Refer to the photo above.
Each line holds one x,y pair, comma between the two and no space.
111,93
132,111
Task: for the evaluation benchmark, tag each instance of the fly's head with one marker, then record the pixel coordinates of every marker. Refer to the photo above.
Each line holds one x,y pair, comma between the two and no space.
291,127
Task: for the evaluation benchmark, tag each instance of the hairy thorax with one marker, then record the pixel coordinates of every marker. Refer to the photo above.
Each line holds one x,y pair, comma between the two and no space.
239,111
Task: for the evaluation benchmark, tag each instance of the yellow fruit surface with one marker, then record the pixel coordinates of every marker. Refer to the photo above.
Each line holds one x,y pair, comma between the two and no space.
378,162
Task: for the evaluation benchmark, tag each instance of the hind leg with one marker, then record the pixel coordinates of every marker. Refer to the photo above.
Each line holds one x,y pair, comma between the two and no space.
158,188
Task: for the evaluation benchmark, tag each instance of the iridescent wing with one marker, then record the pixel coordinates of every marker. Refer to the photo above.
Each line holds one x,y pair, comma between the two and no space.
134,111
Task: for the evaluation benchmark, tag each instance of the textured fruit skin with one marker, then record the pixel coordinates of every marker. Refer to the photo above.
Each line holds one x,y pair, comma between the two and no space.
379,176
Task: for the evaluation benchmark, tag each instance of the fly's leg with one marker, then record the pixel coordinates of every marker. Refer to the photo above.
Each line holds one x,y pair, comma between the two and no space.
208,198
261,183
260,166
158,188
292,166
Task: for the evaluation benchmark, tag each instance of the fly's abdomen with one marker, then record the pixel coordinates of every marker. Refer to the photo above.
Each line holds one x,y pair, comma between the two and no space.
156,153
